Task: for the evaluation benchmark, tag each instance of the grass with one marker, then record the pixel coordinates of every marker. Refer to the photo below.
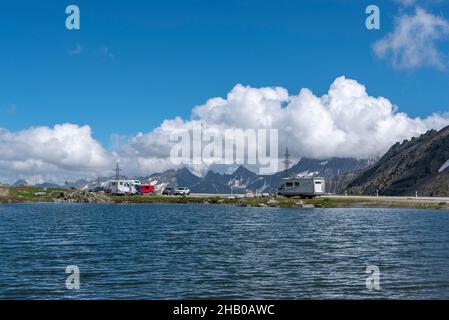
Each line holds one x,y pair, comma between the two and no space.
247,202
33,194
285,202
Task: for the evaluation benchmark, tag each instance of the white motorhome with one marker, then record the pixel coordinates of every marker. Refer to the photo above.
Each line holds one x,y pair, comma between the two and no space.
302,187
124,187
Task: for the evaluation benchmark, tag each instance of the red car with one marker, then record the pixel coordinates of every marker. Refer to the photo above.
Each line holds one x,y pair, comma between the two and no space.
146,189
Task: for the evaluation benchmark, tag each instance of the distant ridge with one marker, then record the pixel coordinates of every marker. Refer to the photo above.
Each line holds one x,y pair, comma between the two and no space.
21,182
241,180
48,185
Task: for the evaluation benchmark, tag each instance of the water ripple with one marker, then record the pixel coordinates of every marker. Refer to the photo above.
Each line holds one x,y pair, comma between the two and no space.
197,252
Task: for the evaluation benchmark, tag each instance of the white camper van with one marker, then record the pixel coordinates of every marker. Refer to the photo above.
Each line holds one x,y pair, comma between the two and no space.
124,187
302,187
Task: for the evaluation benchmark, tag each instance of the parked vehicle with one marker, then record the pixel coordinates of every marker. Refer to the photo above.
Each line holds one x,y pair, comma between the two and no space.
146,189
97,189
266,195
302,187
124,187
168,191
182,191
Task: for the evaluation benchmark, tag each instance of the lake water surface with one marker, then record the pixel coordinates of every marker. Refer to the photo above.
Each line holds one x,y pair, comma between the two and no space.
221,252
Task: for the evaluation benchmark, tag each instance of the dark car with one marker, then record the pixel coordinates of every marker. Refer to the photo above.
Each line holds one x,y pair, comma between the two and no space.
168,191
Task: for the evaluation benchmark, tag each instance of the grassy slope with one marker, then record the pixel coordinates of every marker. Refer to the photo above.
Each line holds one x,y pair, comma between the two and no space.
27,194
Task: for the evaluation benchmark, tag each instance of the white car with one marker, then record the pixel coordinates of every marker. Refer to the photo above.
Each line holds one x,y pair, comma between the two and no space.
182,191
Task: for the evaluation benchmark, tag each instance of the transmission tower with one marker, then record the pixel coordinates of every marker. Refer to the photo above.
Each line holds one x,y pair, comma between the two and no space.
286,162
117,172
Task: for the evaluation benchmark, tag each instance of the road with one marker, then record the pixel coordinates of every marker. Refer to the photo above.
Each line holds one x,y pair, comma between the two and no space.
380,198
212,195
392,198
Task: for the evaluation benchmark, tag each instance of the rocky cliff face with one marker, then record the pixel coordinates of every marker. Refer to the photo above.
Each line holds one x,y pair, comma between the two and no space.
410,166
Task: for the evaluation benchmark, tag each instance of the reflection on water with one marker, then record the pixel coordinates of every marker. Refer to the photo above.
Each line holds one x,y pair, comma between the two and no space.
197,251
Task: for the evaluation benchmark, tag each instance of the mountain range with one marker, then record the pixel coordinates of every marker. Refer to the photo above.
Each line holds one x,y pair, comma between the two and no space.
243,180
240,181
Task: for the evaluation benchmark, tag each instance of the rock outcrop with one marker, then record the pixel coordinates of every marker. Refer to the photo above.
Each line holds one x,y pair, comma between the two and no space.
4,190
80,197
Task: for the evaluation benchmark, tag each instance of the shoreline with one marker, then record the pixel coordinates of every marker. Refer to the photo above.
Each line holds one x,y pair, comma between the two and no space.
36,195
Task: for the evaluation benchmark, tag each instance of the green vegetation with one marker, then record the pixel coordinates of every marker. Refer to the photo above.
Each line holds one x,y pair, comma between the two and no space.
244,202
28,194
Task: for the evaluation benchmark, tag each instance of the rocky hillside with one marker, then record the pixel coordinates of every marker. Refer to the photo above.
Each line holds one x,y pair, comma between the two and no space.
419,164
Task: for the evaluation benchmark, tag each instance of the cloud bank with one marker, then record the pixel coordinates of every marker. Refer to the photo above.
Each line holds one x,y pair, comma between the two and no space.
44,153
345,122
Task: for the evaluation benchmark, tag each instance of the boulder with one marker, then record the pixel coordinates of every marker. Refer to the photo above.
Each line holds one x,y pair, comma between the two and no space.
299,203
4,190
273,202
308,206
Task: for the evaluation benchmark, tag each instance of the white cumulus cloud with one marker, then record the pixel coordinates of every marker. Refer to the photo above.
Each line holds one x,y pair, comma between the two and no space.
345,122
65,150
415,41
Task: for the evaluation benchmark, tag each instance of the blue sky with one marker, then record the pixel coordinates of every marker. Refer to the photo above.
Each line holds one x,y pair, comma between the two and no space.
145,61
